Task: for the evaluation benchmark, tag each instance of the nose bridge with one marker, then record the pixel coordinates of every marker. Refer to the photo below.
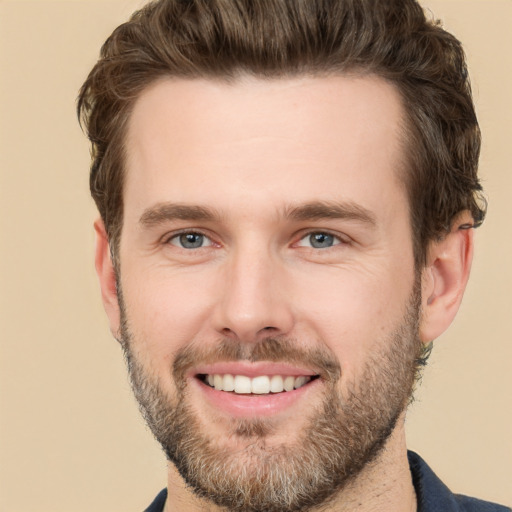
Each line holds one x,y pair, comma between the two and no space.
252,302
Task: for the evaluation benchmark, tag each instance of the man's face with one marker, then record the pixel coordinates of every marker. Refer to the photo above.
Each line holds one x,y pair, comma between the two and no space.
266,246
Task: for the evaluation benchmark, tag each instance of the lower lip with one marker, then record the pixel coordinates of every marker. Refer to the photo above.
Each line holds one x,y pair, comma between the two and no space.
254,406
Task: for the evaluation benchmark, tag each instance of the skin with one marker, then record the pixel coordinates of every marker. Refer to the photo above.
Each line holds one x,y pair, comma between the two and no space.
250,153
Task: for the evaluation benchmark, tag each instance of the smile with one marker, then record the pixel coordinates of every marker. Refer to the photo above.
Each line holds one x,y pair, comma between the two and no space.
258,385
243,389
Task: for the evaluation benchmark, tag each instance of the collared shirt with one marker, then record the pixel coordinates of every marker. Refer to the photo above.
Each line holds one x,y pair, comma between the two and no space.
432,494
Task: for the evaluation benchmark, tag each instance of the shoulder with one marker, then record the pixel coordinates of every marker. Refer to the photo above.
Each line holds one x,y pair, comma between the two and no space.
433,495
468,504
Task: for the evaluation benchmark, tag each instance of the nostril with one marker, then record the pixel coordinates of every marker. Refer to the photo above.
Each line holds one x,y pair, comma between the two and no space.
268,331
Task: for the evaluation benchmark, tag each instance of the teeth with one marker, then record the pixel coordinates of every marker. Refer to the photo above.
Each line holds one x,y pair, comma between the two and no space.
261,385
242,384
289,383
276,384
218,382
228,383
299,382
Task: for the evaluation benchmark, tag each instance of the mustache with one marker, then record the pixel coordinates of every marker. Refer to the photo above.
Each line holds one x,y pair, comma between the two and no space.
272,349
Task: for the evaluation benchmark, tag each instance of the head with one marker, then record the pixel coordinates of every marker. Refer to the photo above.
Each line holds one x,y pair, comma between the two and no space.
285,190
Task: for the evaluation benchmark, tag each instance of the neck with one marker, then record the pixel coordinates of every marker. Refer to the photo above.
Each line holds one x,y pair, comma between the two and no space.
385,485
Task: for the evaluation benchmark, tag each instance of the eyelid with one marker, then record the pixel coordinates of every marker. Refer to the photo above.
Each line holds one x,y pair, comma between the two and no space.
168,237
340,238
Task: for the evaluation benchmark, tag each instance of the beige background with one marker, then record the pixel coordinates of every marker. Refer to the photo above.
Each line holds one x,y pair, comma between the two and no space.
70,434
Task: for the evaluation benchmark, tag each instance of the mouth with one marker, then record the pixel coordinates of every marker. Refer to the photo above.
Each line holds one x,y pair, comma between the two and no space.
256,385
242,389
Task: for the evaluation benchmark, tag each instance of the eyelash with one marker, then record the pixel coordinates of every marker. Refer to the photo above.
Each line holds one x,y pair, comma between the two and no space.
338,240
176,236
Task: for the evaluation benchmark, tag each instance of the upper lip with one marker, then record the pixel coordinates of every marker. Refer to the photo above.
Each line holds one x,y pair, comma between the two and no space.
250,369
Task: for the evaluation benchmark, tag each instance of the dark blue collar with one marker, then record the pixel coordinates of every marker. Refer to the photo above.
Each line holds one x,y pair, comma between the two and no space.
434,496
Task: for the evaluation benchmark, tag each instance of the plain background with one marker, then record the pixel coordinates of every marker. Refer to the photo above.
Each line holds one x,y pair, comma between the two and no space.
71,438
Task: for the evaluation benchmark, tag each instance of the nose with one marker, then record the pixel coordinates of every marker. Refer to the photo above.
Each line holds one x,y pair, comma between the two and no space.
253,302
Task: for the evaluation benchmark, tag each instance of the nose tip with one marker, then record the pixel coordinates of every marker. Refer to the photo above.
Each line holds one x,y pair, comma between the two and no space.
252,304
259,321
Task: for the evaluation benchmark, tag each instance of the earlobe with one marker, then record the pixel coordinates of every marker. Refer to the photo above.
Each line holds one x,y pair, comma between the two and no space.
107,277
445,277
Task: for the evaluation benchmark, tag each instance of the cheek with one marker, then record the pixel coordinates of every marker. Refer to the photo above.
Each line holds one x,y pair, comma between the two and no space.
165,311
355,313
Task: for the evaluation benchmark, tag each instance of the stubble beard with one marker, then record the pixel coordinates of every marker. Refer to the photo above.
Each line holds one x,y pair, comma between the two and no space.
343,434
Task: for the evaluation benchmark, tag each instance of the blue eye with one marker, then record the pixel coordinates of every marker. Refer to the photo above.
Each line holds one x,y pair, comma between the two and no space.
190,241
319,240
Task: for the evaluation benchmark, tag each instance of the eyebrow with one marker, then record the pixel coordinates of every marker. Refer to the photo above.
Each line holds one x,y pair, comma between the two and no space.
319,210
165,212
316,210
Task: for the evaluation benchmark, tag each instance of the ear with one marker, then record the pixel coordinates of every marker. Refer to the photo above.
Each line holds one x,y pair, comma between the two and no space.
445,277
107,278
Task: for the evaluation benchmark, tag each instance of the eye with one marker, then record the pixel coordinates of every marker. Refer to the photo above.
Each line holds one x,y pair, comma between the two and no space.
319,240
190,240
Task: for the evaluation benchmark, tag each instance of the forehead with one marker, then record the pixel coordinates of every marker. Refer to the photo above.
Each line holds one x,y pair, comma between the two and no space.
253,140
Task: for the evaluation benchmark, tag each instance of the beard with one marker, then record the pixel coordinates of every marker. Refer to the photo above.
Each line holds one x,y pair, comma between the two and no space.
343,433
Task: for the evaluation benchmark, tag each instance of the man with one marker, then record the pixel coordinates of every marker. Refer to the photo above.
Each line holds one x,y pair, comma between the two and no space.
287,192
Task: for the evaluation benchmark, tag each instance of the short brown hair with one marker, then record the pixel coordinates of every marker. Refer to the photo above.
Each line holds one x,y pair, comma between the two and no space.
276,38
